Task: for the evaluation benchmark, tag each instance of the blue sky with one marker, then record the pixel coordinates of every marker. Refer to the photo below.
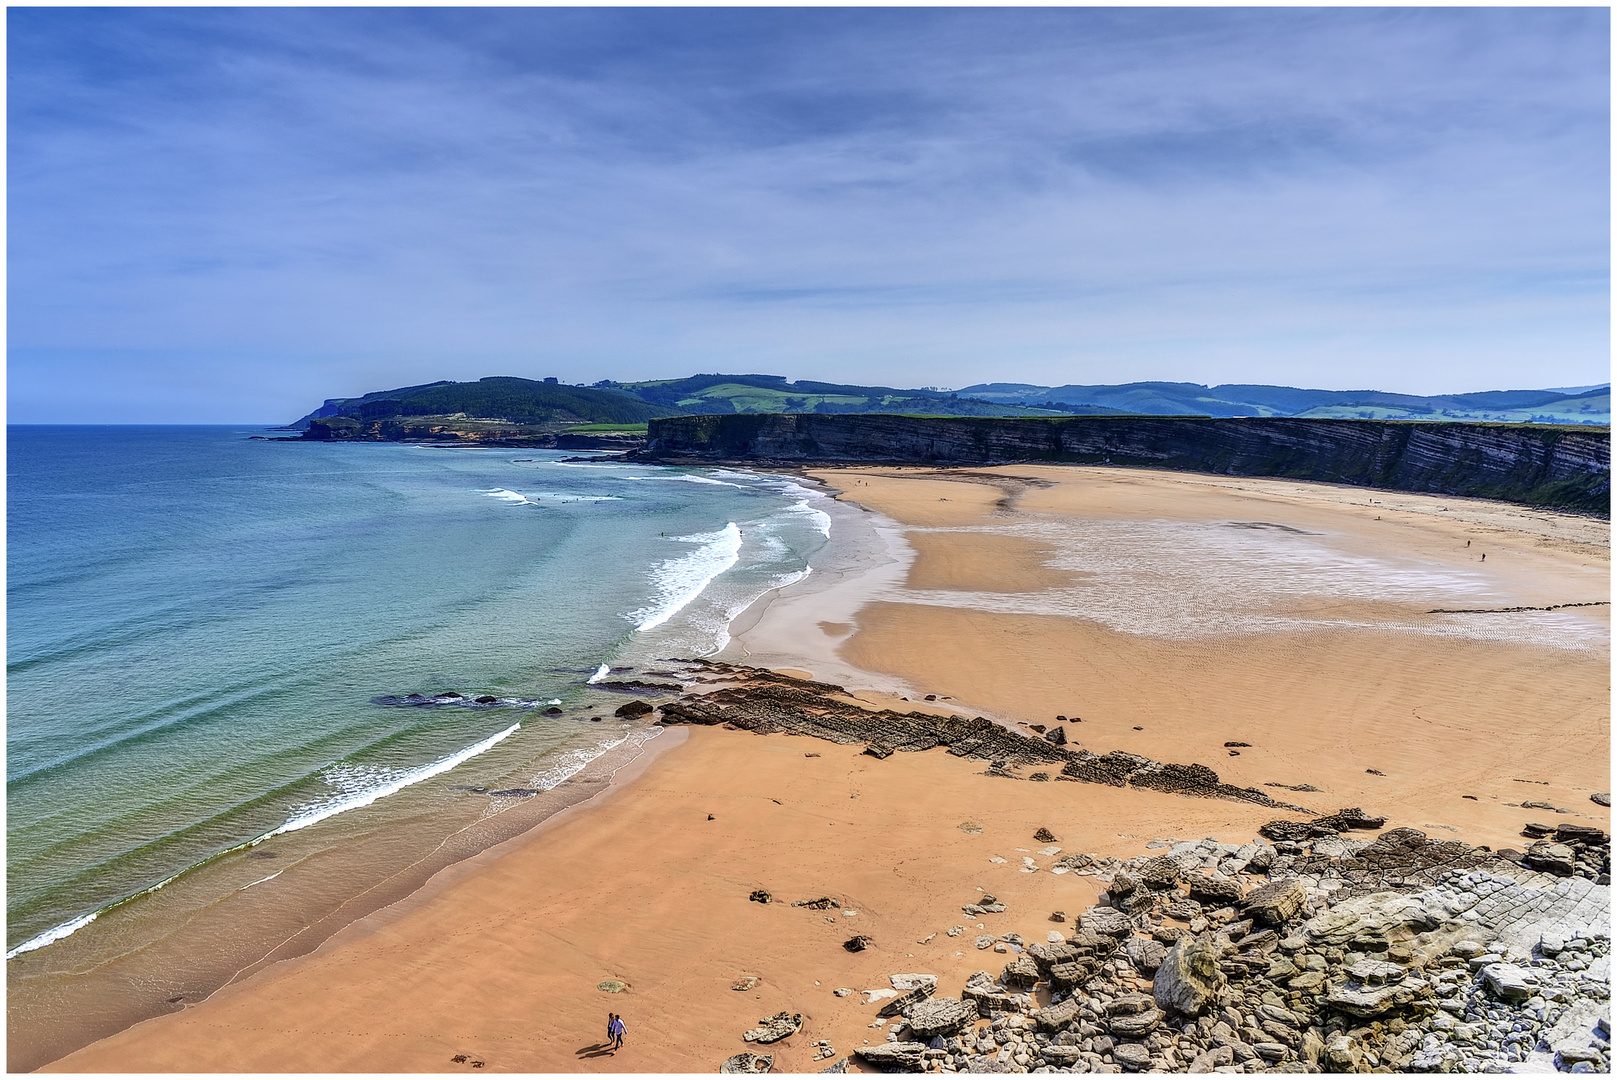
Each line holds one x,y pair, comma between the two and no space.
226,215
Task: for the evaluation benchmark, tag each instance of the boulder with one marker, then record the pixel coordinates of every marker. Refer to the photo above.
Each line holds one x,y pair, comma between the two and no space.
1023,971
1159,872
1106,921
1507,982
1146,955
894,1057
633,710
939,1016
1044,836
1056,735
858,943
1276,903
1343,1054
1215,891
1135,1025
760,896
1374,987
904,1001
774,1028
748,1062
1188,980
1551,858
1132,1056
1057,1016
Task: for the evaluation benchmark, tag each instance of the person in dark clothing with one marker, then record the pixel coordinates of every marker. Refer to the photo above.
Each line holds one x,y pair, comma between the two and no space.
615,1029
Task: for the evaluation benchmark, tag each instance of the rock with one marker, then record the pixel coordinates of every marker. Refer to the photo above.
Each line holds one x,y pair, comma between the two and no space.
746,982
1601,798
1045,836
879,750
1269,1051
774,1028
760,896
633,710
1058,916
824,903
1056,735
1581,834
1215,892
1135,1025
900,1056
1159,872
1344,1054
1132,1056
748,1062
843,991
1057,1016
1507,982
985,941
1209,1060
897,1006
486,699
1146,955
912,981
1106,921
1189,979
939,1016
1277,902
1122,884
1374,987
858,943
1552,858
1022,971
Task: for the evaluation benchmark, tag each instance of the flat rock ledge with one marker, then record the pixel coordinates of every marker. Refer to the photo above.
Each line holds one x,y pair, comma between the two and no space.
765,702
1397,953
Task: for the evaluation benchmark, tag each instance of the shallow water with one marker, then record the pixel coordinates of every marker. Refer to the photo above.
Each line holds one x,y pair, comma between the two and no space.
1178,579
204,632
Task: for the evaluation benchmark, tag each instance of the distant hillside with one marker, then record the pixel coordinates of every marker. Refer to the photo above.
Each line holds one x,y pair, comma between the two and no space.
525,401
517,401
722,394
1580,406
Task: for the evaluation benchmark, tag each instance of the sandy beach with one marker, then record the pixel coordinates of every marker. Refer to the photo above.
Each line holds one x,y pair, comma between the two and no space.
1354,641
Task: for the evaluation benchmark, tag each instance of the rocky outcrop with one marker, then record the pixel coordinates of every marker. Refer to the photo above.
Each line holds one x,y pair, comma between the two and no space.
1428,956
766,702
1544,465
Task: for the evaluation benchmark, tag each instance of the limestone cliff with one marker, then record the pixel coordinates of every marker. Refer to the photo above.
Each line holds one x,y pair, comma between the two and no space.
1564,467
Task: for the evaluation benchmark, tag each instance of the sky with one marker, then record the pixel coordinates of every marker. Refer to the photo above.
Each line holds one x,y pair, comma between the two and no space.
227,215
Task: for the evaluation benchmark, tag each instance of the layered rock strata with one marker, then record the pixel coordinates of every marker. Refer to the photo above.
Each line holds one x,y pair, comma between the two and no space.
1543,465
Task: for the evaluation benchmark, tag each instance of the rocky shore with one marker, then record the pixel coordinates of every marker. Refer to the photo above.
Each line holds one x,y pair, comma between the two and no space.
762,701
1400,953
1304,950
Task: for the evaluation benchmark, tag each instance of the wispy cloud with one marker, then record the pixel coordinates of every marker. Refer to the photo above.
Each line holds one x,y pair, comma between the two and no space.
238,211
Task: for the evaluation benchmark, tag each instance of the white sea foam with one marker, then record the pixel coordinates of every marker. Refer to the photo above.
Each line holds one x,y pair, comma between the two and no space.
506,495
374,784
681,580
261,881
55,933
600,673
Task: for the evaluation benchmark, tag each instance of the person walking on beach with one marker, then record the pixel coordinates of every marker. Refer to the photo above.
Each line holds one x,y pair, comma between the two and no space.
615,1029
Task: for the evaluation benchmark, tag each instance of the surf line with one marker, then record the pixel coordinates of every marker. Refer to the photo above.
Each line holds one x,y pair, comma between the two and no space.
300,821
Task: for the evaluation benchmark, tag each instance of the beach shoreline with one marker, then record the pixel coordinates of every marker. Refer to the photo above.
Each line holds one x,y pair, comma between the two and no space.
888,648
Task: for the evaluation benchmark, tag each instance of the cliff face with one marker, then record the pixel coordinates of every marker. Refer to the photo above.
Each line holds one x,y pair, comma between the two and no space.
483,432
1564,467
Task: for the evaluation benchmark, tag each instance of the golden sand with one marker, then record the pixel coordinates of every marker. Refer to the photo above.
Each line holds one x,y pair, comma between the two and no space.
499,958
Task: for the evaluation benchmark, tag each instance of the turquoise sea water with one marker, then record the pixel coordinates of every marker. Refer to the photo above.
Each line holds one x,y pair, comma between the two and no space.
199,625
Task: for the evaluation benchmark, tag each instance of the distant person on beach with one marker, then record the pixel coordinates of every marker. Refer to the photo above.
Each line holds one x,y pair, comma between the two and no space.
615,1029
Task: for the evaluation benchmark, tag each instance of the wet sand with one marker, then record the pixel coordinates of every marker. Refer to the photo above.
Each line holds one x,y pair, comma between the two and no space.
499,958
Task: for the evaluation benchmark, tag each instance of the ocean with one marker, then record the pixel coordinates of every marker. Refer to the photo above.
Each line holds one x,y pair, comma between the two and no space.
213,754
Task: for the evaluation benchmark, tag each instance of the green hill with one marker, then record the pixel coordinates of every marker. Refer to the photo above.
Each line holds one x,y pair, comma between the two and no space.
518,401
